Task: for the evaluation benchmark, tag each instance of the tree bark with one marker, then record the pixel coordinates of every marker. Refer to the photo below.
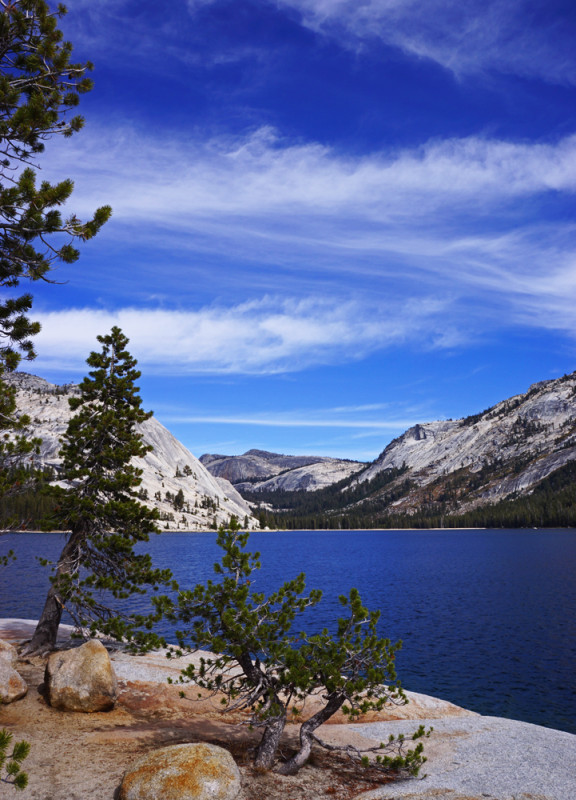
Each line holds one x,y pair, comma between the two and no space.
270,740
291,767
44,637
269,743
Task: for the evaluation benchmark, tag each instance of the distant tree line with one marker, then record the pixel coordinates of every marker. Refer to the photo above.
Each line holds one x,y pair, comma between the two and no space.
29,502
342,494
551,504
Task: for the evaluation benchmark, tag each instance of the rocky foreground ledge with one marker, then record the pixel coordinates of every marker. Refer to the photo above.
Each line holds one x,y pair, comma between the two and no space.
84,756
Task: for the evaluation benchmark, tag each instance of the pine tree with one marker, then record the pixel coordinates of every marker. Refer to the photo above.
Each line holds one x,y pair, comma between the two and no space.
262,665
100,507
239,627
178,501
14,445
21,482
39,86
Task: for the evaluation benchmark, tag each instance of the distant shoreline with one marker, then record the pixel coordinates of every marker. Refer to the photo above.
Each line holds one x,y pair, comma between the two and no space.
341,530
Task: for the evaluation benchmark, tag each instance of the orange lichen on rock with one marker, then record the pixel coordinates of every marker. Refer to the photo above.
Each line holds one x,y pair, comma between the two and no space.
196,771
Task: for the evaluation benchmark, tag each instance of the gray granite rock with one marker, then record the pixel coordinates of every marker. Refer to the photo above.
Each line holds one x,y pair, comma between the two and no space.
168,468
484,758
12,685
8,653
81,679
183,772
536,427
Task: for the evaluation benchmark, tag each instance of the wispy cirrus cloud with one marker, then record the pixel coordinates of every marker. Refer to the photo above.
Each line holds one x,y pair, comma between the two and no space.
160,37
363,421
268,336
283,421
182,178
467,217
518,37
530,39
511,36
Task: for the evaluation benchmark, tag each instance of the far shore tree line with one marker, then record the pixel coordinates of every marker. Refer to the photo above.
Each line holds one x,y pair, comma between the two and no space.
260,663
550,504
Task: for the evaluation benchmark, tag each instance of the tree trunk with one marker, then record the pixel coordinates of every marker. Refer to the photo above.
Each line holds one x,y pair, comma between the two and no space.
291,767
268,746
44,637
269,743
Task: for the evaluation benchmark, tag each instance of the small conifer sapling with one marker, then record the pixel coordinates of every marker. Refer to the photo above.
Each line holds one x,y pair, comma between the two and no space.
261,664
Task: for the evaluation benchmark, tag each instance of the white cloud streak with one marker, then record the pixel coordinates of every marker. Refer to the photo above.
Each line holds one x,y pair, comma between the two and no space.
521,37
259,337
369,418
281,422
176,182
510,36
457,215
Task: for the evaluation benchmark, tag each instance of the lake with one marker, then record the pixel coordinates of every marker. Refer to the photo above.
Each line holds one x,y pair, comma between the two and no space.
488,618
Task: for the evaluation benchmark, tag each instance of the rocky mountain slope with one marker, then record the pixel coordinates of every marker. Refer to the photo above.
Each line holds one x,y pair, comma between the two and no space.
208,500
450,467
259,470
435,469
501,452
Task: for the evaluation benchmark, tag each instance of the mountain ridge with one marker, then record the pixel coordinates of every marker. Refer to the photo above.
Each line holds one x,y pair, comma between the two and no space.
169,468
432,471
537,427
261,470
447,467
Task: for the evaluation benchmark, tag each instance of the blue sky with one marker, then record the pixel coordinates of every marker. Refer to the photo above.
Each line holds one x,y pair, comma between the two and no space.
332,219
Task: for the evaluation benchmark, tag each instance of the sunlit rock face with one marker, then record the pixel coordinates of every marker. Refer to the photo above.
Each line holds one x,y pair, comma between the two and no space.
197,771
459,464
208,500
259,470
489,456
81,679
12,685
506,449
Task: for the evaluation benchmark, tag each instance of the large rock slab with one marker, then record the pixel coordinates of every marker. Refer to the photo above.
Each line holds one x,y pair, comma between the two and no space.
12,685
483,758
183,772
81,679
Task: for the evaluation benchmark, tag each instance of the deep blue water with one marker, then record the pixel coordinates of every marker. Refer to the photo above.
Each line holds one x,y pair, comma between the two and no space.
488,618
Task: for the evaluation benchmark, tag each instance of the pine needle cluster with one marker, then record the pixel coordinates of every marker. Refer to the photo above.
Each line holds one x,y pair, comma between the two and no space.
11,762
